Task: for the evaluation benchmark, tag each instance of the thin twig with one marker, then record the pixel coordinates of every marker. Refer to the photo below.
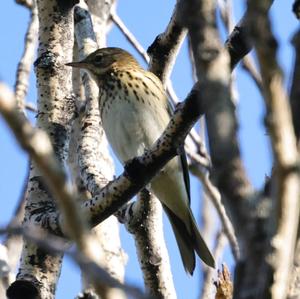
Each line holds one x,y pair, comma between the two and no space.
249,65
24,66
26,3
215,197
208,286
30,107
129,36
247,62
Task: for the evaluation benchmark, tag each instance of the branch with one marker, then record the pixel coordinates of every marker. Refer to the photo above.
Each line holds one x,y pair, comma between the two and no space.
144,220
137,174
100,12
212,65
285,214
129,36
294,285
234,47
24,66
215,197
38,145
296,8
12,243
56,110
95,164
164,49
5,271
249,66
57,245
295,88
26,3
239,43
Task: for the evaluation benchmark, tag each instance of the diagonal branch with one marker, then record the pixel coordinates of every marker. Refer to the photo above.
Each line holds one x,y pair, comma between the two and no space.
239,43
58,245
137,174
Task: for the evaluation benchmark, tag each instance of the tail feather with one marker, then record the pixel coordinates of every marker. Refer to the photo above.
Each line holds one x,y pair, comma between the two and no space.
189,240
200,245
183,241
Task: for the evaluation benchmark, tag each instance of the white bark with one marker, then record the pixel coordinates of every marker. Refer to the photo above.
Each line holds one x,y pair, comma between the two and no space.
39,269
95,164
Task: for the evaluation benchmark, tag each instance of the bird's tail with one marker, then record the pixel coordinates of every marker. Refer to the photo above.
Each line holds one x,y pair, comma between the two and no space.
189,240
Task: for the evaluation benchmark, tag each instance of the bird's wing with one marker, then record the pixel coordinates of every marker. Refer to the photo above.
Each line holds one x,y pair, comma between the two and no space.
170,109
183,160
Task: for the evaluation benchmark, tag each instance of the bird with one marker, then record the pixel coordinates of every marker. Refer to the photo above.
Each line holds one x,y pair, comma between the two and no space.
135,110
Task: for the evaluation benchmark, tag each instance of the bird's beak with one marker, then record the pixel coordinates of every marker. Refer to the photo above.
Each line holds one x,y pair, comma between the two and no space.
79,64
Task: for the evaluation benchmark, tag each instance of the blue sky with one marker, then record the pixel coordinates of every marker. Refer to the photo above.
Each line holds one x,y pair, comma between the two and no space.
139,16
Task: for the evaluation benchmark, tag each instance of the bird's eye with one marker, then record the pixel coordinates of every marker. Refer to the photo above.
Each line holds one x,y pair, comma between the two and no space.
98,59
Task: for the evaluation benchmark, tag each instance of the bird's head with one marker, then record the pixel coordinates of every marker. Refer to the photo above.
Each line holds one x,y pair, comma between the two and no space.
104,60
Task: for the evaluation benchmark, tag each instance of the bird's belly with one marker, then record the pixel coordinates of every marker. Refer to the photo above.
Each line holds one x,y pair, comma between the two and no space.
130,128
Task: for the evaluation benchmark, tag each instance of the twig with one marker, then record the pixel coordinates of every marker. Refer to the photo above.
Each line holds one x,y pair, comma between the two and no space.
208,286
24,66
234,37
215,197
249,66
31,107
129,36
26,3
